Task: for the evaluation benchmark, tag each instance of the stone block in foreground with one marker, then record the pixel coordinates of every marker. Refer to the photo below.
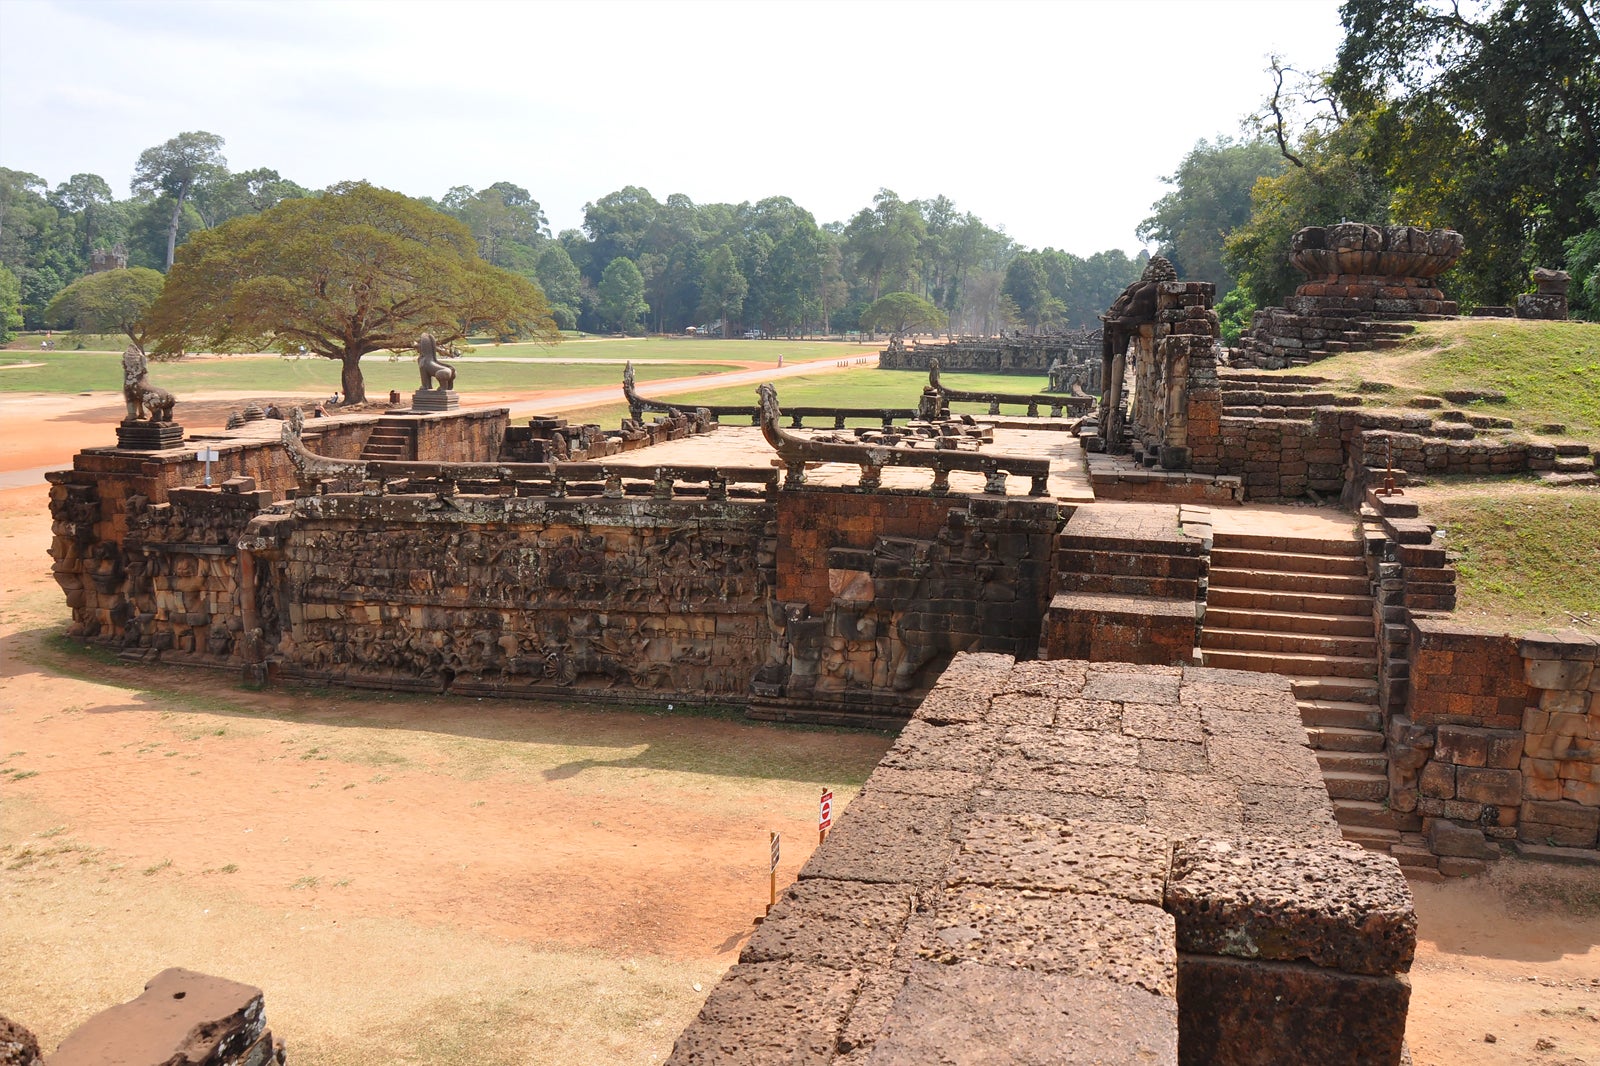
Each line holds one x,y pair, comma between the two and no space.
182,1018
1069,862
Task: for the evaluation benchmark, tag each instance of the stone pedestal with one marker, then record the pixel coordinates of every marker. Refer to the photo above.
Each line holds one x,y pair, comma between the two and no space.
1550,301
435,400
149,436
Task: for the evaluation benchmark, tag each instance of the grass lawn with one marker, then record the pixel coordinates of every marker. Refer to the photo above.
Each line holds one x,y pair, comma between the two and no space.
867,387
72,372
1526,556
1549,371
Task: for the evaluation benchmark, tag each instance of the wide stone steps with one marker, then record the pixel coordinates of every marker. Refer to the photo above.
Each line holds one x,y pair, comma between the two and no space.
1270,542
1268,662
1290,581
1252,559
1357,690
1353,762
1346,785
1348,625
1289,602
1356,715
1267,640
1342,738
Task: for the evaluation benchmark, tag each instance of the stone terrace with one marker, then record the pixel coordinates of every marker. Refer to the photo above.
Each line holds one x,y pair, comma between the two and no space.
1080,862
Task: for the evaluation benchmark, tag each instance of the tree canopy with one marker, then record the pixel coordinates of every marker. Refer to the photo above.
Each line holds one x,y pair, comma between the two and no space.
903,312
622,295
175,169
113,301
1209,200
356,270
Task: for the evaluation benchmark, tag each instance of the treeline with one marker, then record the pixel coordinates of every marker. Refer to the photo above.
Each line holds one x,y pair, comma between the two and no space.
636,264
1483,120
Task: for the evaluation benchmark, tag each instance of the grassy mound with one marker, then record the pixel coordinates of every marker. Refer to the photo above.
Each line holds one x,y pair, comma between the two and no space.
1526,556
1548,371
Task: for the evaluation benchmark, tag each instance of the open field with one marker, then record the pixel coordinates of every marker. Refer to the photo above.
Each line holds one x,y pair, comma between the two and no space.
1549,371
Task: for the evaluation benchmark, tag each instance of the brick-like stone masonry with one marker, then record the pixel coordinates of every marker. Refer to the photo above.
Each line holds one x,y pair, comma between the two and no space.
1080,862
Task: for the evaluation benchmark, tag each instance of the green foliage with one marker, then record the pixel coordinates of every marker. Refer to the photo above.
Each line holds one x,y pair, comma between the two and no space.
903,312
723,288
1335,183
1583,263
1210,199
114,301
356,270
562,284
175,170
247,193
621,296
506,221
1485,119
1233,313
10,304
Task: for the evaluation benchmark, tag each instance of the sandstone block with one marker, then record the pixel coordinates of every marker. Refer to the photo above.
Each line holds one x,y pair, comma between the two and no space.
1447,838
1287,901
1500,787
769,1012
1031,852
1560,674
1232,1011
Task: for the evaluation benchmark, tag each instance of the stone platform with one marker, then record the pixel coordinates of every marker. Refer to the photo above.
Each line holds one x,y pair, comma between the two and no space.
1080,862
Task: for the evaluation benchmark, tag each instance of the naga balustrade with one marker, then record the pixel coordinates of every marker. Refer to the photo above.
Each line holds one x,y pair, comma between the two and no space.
797,451
1076,405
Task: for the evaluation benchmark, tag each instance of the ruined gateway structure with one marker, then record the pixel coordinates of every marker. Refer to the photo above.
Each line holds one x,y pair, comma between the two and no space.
1083,839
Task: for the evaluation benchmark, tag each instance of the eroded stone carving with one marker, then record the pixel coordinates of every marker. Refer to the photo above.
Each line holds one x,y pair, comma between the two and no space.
144,400
431,368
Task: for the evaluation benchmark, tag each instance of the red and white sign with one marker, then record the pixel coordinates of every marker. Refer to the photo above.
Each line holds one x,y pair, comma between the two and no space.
775,851
825,812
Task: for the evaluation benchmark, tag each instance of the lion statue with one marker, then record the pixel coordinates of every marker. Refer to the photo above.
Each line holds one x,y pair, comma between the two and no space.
143,399
431,368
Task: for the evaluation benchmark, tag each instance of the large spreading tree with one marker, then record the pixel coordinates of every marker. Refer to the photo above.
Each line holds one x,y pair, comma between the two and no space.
112,301
356,270
903,312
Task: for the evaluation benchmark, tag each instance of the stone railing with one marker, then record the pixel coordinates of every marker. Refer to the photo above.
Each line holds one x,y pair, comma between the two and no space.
557,479
796,452
937,399
884,416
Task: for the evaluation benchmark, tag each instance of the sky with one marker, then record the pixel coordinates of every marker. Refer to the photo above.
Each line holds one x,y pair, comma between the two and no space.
1054,121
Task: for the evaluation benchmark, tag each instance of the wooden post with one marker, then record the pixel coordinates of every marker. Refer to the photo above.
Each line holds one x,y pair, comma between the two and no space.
772,872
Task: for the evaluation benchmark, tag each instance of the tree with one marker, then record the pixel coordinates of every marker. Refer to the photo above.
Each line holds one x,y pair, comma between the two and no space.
903,312
247,193
722,288
10,304
89,202
174,169
1210,199
1485,118
562,284
884,240
356,270
506,221
621,293
113,301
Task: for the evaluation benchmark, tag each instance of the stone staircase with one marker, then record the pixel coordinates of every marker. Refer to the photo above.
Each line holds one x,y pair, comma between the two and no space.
1303,607
393,439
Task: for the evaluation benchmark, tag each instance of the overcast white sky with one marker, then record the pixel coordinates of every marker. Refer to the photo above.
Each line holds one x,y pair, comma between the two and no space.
1053,120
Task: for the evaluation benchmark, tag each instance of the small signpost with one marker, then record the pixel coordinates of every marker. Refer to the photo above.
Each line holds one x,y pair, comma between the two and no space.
824,815
207,456
772,873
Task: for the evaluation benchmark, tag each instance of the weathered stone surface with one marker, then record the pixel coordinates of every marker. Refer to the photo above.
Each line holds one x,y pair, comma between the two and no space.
761,1013
949,783
1337,905
1447,838
1242,1013
1061,933
1132,684
182,1017
888,838
1056,746
1162,722
1258,760
18,1046
923,746
1030,852
1061,806
842,925
968,1012
1094,715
